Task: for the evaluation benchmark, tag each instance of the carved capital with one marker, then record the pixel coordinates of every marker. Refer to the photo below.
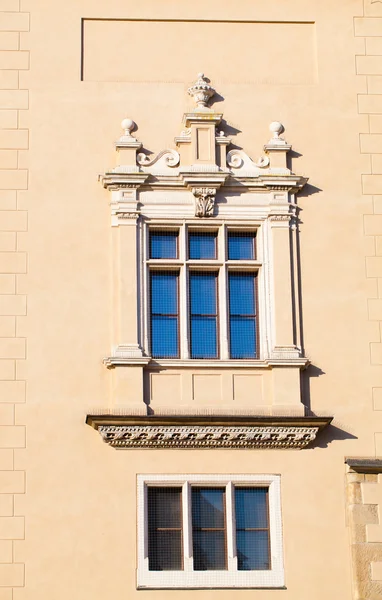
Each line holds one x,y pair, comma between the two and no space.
204,201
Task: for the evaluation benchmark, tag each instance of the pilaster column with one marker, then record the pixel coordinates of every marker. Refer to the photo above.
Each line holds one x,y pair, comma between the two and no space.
284,337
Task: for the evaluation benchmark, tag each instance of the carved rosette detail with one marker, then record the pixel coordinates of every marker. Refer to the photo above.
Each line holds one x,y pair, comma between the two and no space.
204,201
135,436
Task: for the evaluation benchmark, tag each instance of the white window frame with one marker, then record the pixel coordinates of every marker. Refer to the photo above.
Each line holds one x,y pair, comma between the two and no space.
259,265
230,578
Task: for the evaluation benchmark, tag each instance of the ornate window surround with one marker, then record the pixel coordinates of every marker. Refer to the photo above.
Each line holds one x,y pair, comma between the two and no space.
231,578
201,184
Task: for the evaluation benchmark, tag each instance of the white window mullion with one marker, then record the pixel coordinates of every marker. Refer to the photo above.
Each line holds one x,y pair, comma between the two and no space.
223,291
183,296
145,299
145,527
187,527
231,527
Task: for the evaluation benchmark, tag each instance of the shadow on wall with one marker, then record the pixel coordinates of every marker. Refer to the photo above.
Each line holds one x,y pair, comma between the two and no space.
332,432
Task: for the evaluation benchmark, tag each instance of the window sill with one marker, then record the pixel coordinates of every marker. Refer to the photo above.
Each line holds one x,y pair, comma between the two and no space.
210,579
193,363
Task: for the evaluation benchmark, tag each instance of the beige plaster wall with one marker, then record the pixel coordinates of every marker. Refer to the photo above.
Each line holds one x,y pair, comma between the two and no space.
14,143
80,504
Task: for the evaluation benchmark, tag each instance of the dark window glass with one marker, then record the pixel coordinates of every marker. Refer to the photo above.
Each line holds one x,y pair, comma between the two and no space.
203,314
208,529
163,244
241,245
242,315
165,529
252,529
164,318
202,244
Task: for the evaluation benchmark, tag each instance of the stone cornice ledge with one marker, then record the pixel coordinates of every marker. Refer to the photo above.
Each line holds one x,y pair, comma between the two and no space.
210,432
123,361
364,465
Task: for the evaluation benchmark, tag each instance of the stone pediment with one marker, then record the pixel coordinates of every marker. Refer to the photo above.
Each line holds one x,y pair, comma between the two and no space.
202,159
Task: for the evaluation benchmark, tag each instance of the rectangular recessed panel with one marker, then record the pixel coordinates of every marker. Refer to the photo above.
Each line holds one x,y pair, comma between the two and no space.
165,388
207,389
175,51
248,389
203,144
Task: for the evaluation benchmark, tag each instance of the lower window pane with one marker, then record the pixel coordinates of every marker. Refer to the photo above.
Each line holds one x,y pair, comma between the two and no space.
209,550
242,337
252,550
164,337
165,551
203,337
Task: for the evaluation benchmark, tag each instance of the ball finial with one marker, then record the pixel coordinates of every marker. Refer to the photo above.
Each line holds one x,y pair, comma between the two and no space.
128,125
276,128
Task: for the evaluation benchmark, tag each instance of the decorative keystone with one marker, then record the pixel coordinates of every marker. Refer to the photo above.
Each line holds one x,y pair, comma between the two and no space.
204,201
201,91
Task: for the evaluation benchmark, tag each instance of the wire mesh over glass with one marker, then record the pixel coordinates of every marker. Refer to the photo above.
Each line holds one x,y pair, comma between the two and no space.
188,300
209,529
163,244
252,528
165,529
241,245
164,319
202,245
203,314
242,314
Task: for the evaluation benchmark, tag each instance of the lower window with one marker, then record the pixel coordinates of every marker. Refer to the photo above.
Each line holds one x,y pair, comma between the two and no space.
209,531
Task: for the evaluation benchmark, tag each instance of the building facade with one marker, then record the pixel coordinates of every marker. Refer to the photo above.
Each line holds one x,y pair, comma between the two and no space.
190,300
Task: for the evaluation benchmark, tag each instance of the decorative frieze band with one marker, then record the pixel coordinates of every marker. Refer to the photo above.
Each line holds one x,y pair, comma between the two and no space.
208,432
207,437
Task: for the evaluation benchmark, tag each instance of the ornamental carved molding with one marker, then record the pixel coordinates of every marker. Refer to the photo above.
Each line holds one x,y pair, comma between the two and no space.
204,201
209,432
207,437
121,214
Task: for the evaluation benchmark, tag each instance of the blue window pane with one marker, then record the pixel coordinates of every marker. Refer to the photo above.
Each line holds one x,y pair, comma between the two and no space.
242,293
203,293
202,244
208,507
164,337
164,315
208,529
252,550
251,506
241,245
242,337
203,337
209,551
164,293
163,244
